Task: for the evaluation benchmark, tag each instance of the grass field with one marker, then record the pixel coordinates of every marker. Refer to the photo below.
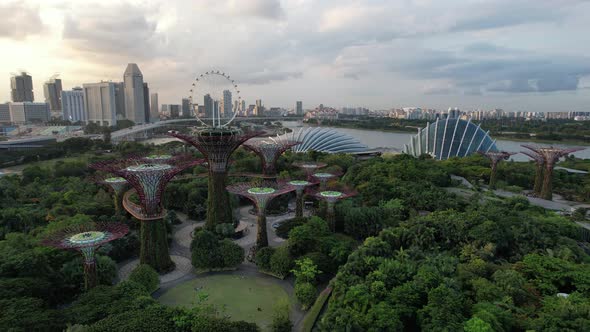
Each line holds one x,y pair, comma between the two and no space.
240,298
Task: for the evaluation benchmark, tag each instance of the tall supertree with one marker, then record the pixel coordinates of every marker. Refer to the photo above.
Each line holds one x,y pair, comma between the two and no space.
331,197
299,186
117,185
551,156
269,152
86,239
309,167
261,195
495,157
539,170
324,177
149,181
217,145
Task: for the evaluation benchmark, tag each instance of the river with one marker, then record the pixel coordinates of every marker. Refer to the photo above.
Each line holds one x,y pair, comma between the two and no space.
396,140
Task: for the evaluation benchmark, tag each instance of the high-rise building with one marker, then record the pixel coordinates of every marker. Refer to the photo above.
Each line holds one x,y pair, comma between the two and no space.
21,87
52,91
5,113
299,108
27,112
146,102
259,109
208,102
73,105
120,100
243,108
186,107
227,104
134,100
99,103
154,114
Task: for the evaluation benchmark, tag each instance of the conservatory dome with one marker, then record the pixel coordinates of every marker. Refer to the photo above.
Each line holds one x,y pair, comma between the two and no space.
323,140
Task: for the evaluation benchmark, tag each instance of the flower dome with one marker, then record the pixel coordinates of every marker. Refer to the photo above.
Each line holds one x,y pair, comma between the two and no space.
323,140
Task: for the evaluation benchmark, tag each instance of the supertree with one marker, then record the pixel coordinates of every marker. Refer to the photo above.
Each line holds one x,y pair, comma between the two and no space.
324,177
269,152
299,186
495,157
217,145
117,185
551,156
539,170
331,197
260,194
149,181
86,239
309,167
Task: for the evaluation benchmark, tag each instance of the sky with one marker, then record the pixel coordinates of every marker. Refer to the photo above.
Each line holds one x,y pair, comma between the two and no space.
520,55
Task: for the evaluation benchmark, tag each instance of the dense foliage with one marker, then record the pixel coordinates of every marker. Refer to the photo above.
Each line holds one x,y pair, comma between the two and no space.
209,252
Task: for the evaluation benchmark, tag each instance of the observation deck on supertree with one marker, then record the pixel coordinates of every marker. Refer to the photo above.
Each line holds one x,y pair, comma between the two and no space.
309,167
324,177
495,157
149,181
117,185
269,152
550,156
539,170
217,145
86,239
299,186
261,194
331,197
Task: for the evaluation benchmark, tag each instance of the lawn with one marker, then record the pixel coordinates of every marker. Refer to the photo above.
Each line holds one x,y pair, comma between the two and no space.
239,297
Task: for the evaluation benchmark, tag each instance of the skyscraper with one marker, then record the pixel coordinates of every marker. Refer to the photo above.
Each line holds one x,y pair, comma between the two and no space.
134,99
227,105
186,107
243,108
154,114
146,102
99,103
299,108
5,113
73,105
21,87
28,112
208,103
120,101
52,92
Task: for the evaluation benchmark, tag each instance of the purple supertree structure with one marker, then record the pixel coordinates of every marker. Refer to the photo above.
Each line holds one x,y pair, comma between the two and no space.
149,181
117,185
217,145
299,186
309,167
331,197
269,152
86,239
539,170
495,157
551,156
261,194
324,177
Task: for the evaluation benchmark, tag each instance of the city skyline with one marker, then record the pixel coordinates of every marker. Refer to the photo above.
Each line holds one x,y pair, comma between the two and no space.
517,55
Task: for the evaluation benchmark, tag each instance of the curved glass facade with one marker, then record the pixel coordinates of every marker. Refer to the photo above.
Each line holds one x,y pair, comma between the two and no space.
323,140
448,138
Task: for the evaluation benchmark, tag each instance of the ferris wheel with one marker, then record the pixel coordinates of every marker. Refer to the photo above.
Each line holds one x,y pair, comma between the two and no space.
216,97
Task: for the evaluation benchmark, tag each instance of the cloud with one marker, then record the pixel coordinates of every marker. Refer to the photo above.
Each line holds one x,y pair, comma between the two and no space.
269,9
19,20
268,76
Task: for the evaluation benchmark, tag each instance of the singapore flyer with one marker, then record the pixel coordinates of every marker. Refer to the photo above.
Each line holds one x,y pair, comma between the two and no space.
216,98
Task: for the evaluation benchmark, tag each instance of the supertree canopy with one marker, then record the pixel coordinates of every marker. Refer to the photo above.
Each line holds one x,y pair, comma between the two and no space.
269,152
149,181
86,239
309,167
324,177
550,156
331,197
299,186
261,195
117,185
495,157
539,170
217,145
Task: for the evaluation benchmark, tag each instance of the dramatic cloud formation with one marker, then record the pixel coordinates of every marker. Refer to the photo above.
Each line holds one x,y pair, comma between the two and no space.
19,20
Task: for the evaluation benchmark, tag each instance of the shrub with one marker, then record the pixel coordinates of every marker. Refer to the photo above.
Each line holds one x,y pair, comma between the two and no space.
205,250
131,289
286,226
306,270
146,276
305,293
281,262
28,314
153,318
280,318
231,253
263,256
73,271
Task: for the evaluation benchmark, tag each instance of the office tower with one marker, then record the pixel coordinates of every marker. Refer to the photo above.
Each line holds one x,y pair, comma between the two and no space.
227,111
134,101
174,111
259,109
186,107
154,114
216,109
120,101
243,108
27,112
146,103
299,108
22,87
5,113
208,102
73,105
99,103
52,91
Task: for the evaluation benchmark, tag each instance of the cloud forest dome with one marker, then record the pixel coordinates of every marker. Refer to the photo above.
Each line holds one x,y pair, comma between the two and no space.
323,140
448,138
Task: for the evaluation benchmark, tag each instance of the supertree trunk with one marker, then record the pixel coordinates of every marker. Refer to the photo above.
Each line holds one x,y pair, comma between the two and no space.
218,205
299,204
118,203
538,179
547,191
262,236
331,216
90,274
494,175
154,246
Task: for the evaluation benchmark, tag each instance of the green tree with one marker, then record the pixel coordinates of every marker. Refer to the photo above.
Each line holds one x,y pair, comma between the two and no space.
306,270
146,276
